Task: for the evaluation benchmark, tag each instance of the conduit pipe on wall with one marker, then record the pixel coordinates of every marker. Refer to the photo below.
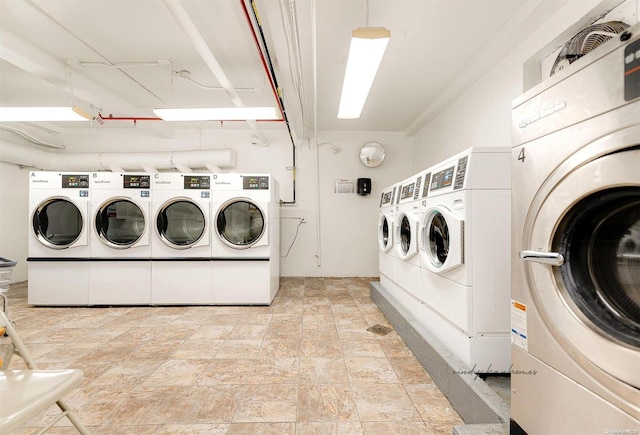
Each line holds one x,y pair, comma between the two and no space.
185,161
271,74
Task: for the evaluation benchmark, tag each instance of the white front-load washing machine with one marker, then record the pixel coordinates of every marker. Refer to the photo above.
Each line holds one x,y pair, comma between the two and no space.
59,250
386,252
464,241
576,246
245,239
121,225
407,258
180,242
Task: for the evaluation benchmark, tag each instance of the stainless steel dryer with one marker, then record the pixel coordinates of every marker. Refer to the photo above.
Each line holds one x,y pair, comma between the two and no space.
576,246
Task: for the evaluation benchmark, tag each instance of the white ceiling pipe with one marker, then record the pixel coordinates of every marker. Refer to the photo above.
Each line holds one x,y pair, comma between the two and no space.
148,168
155,161
194,35
213,168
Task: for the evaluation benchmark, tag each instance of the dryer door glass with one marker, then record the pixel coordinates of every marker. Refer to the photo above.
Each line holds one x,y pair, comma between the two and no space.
57,223
384,235
181,223
120,223
438,239
240,223
600,241
405,234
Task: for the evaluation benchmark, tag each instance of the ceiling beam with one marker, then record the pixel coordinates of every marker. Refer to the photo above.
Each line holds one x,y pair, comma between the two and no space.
191,30
54,71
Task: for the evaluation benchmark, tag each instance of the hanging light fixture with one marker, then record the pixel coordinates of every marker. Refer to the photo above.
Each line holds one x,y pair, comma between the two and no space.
220,114
35,114
368,45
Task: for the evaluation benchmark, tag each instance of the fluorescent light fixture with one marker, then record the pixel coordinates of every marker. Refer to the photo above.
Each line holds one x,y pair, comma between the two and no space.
220,114
27,114
365,53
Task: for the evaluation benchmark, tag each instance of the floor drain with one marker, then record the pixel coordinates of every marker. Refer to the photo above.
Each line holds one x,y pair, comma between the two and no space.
379,329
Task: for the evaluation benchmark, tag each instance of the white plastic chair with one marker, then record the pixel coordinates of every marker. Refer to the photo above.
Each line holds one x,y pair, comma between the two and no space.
26,393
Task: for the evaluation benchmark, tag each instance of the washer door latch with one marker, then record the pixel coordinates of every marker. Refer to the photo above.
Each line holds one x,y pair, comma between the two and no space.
552,258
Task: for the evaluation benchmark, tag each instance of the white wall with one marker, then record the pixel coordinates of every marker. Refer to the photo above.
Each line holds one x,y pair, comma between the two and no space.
482,115
347,245
14,203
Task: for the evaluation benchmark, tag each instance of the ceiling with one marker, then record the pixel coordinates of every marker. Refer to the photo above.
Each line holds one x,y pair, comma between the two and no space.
123,58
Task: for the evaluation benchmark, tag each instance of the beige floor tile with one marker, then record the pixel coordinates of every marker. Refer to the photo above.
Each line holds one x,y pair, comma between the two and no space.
362,348
279,348
329,428
267,403
432,405
410,371
326,402
194,429
275,371
384,402
371,371
320,348
211,403
212,332
323,371
304,365
239,349
248,332
176,372
262,429
400,427
197,349
226,371
394,347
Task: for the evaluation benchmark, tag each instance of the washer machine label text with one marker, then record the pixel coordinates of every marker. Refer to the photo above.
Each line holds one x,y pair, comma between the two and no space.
519,325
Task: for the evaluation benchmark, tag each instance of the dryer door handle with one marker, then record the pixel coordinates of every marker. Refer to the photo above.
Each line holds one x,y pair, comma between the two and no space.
552,258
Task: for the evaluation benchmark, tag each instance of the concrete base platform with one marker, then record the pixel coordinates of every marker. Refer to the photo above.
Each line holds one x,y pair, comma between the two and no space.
483,410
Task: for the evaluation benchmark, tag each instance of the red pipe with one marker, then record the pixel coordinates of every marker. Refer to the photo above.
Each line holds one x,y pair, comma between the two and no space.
262,59
138,118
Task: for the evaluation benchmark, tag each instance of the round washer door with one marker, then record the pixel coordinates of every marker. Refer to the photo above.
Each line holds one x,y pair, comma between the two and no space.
385,232
587,287
121,223
441,240
406,235
59,223
181,224
241,224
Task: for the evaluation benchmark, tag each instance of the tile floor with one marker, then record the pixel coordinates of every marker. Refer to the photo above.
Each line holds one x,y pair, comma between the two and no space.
304,365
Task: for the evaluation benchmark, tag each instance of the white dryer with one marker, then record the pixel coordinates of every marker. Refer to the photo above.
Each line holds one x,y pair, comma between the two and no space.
58,259
576,246
407,258
465,251
180,242
386,227
120,239
245,240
